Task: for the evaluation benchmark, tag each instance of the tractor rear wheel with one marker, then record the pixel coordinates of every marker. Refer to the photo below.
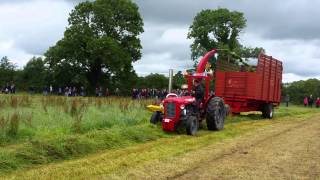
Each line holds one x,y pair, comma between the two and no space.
155,118
267,111
216,114
192,125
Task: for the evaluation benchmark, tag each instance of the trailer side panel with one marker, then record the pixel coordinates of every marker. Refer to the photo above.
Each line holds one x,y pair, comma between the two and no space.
250,90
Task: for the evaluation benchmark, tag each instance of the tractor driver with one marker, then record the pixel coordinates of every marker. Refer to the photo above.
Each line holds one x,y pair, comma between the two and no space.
198,92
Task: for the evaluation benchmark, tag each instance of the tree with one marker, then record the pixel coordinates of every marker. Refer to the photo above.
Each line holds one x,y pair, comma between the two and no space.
35,74
7,71
99,45
157,81
251,52
178,80
219,29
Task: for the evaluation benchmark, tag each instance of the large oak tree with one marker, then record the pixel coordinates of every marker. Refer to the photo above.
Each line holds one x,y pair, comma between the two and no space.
99,45
219,28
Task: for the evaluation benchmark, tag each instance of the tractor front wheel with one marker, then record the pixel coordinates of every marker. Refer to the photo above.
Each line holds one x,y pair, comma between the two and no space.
192,125
216,114
155,118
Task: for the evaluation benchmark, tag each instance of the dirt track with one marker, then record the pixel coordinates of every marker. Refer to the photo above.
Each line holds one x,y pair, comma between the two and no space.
291,153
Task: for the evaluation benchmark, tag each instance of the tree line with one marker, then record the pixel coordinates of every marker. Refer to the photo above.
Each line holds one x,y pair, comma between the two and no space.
102,40
36,75
298,90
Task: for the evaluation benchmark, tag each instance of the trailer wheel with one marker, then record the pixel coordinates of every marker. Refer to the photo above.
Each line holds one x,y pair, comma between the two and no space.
268,111
155,118
216,114
192,125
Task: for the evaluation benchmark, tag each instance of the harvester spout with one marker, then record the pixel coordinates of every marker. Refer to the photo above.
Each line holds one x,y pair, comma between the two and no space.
204,61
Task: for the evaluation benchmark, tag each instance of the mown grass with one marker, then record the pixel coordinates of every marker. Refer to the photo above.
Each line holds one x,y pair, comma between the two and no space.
163,156
40,130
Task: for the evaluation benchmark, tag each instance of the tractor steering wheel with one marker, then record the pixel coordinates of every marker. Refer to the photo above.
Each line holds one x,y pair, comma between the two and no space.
171,95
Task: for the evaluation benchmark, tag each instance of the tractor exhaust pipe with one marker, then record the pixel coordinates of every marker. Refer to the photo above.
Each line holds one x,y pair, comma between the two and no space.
170,80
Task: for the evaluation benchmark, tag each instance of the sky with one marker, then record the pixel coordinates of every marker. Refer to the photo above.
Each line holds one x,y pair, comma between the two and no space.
288,30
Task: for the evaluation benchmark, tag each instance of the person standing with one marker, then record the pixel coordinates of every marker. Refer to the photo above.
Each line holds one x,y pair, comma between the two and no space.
60,91
318,102
51,90
117,92
82,91
305,101
97,91
74,91
7,89
66,91
13,88
310,101
287,99
107,93
100,91
70,91
45,91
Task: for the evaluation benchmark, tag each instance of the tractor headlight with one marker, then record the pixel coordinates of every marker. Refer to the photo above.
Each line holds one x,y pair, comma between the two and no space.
184,112
161,105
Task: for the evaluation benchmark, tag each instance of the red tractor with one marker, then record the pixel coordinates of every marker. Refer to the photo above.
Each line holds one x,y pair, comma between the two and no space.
187,111
241,91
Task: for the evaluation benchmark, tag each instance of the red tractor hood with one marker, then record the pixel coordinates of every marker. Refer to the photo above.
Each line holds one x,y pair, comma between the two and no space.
181,100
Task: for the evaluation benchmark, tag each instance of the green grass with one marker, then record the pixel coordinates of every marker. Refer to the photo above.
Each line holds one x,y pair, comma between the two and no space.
51,129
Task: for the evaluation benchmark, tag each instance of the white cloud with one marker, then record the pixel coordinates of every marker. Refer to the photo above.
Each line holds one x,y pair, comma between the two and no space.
290,77
17,56
160,63
175,36
299,57
31,27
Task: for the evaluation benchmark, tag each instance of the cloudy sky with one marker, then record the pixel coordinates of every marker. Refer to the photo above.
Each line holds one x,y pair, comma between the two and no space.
289,30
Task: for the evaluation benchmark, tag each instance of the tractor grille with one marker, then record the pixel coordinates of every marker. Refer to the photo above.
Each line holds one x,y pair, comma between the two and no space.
170,110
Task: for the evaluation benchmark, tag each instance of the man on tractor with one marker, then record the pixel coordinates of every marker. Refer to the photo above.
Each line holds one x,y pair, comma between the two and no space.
198,92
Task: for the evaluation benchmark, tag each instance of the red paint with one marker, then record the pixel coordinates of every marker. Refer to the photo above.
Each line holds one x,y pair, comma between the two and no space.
203,62
249,91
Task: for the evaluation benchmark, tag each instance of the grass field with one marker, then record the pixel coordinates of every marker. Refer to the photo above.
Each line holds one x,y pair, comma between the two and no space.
37,130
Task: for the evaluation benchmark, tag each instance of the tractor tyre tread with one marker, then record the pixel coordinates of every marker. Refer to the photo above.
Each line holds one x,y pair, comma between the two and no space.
215,105
155,118
192,125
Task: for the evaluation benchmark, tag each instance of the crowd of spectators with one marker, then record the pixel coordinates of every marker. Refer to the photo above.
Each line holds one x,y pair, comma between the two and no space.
72,91
63,91
310,101
9,88
145,93
155,93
